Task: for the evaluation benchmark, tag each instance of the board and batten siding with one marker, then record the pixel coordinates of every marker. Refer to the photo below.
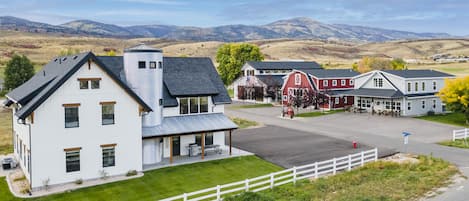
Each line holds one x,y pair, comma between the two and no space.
50,137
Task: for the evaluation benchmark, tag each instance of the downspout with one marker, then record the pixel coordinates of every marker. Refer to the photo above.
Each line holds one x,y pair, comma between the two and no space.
30,169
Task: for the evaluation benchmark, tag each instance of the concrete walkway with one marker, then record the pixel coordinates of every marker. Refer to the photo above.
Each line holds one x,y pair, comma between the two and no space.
379,131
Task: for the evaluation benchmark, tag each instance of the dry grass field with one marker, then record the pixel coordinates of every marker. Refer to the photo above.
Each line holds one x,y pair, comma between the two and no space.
41,48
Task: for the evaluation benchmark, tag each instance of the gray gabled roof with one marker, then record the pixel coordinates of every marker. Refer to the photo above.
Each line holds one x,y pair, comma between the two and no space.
271,80
376,93
331,73
189,124
182,77
44,83
418,73
283,65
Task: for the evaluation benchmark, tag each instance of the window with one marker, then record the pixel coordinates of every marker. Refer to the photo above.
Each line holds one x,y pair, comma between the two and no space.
408,105
160,64
109,157
194,105
183,106
160,101
84,84
423,104
434,85
423,86
351,82
71,117
107,113
342,82
434,104
152,64
409,86
297,79
416,86
141,64
337,100
208,139
95,84
325,83
334,82
345,99
72,159
203,104
378,82
398,106
388,105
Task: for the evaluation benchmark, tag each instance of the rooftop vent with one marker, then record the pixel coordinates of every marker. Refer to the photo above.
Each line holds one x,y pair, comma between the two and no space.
44,73
55,60
75,57
65,58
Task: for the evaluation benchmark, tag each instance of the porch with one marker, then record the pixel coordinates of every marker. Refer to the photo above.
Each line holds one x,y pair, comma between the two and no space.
388,102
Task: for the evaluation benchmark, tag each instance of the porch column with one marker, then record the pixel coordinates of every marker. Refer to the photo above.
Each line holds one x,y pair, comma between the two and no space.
170,149
230,141
202,142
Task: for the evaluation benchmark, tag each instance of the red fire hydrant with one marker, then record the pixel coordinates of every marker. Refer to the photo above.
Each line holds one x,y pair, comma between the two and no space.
354,143
290,112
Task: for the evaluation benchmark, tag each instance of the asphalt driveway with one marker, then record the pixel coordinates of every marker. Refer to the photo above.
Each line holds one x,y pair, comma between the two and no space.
288,148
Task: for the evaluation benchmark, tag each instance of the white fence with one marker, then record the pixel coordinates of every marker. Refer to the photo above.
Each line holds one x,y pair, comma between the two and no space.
460,134
291,175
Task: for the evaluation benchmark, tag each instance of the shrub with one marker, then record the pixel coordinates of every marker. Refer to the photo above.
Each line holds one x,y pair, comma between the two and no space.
131,173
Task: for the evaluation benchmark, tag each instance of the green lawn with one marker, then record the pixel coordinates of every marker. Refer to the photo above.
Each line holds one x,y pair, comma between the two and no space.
315,114
460,143
374,182
247,106
6,145
167,182
457,119
243,123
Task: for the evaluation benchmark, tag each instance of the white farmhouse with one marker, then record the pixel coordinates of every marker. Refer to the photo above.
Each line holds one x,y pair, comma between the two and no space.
399,92
85,116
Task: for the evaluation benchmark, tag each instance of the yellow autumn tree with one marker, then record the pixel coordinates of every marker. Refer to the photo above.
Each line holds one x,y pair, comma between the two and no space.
456,95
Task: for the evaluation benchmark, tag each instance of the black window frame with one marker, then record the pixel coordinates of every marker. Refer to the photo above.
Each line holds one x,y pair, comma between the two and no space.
152,65
183,107
203,107
68,124
208,139
75,166
108,156
142,64
105,117
194,107
82,84
93,82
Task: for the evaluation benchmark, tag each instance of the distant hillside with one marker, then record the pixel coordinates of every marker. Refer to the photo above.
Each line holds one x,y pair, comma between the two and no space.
296,28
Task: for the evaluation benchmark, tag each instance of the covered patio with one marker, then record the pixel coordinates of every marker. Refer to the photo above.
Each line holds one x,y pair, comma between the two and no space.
377,101
187,138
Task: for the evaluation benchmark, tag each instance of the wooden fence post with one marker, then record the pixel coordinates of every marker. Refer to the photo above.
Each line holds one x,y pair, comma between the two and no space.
246,185
218,193
334,166
316,170
271,181
362,158
294,175
349,163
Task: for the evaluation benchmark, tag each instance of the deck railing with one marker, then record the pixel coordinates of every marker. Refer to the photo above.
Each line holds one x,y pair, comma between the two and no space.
292,175
460,134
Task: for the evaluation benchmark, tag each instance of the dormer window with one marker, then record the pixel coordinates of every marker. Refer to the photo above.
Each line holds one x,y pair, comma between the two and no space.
378,82
95,84
152,64
84,84
193,105
325,83
142,64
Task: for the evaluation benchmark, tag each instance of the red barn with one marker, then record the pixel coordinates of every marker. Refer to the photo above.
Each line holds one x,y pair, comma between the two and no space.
319,87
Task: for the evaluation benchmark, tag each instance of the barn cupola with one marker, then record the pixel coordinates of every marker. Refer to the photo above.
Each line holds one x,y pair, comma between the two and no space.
143,67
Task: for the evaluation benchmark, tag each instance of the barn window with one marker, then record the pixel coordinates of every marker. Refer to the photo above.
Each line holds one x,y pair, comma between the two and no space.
297,79
342,82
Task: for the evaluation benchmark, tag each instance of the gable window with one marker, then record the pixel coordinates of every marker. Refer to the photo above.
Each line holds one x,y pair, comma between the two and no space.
109,156
107,113
142,64
84,84
153,64
297,79
203,104
160,64
194,105
416,86
378,82
325,83
334,82
95,84
434,85
183,106
71,115
345,100
409,86
72,160
423,86
342,82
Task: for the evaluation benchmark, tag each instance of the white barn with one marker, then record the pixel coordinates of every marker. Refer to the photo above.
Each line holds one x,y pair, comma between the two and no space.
85,116
402,92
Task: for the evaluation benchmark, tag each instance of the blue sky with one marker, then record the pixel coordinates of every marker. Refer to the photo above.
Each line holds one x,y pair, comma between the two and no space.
451,16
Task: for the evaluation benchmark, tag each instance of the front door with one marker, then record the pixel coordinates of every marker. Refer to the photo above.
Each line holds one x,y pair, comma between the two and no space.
176,146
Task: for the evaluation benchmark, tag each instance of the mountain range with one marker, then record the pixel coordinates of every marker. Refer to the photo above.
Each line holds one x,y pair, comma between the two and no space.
295,28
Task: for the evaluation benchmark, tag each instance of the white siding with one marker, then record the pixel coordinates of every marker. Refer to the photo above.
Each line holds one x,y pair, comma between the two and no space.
50,137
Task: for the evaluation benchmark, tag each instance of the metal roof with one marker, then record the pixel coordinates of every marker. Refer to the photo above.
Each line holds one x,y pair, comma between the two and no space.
189,124
375,93
142,48
418,73
283,65
331,73
271,80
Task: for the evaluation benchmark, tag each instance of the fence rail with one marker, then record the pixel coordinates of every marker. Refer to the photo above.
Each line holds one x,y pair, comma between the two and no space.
292,175
460,134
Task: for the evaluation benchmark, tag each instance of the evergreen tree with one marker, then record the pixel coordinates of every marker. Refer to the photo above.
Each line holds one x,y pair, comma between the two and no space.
18,70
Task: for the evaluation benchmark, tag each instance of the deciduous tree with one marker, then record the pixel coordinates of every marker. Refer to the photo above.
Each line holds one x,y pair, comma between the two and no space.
456,95
232,56
18,70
